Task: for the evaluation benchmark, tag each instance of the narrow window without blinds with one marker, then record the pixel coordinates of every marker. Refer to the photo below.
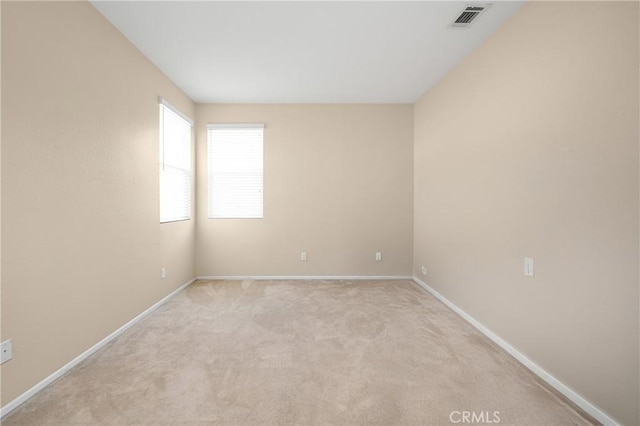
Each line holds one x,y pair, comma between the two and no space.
175,165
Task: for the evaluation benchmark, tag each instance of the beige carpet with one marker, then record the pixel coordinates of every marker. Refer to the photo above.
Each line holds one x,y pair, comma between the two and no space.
298,352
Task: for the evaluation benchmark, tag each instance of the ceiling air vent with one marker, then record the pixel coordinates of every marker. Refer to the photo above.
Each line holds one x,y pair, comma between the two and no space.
469,15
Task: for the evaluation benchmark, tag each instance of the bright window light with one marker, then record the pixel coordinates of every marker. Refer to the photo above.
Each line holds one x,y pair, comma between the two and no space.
175,164
235,172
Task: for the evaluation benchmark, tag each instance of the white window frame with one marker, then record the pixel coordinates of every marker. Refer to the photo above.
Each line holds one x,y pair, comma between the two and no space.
247,179
172,173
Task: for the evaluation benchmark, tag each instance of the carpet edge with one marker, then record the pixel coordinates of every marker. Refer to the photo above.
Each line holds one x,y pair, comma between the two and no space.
590,408
15,403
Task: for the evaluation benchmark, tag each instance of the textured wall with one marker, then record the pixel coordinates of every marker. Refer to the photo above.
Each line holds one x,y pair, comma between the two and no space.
82,245
530,148
338,184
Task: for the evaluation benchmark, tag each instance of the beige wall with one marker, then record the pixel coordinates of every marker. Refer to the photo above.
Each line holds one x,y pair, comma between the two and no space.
530,148
82,244
338,184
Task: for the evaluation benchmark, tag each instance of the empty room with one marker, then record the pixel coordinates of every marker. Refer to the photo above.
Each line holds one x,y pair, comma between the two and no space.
309,212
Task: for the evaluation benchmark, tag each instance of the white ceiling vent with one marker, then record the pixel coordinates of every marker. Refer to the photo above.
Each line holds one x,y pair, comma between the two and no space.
469,15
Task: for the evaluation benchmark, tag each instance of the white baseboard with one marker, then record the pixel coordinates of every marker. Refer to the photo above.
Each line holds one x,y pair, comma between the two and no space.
573,396
68,366
305,277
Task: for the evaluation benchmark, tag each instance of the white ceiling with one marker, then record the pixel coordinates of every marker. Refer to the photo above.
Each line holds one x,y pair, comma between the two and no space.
303,52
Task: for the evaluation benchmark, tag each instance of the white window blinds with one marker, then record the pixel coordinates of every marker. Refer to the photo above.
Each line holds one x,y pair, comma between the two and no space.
235,172
175,164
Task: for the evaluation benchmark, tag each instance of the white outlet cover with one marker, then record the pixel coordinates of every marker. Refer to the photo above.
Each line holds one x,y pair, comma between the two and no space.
5,351
528,266
378,255
424,270
303,256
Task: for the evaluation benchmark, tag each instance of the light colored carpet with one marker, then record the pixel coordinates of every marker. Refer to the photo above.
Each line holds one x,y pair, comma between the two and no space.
298,352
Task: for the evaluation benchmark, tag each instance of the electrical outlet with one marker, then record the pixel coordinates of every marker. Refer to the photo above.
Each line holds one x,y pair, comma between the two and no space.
163,273
424,270
528,266
5,351
378,256
303,256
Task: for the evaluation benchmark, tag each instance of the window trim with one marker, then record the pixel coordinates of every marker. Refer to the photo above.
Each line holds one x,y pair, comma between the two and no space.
214,126
164,102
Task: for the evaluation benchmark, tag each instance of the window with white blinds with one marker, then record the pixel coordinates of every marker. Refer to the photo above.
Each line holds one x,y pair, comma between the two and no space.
235,172
175,164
